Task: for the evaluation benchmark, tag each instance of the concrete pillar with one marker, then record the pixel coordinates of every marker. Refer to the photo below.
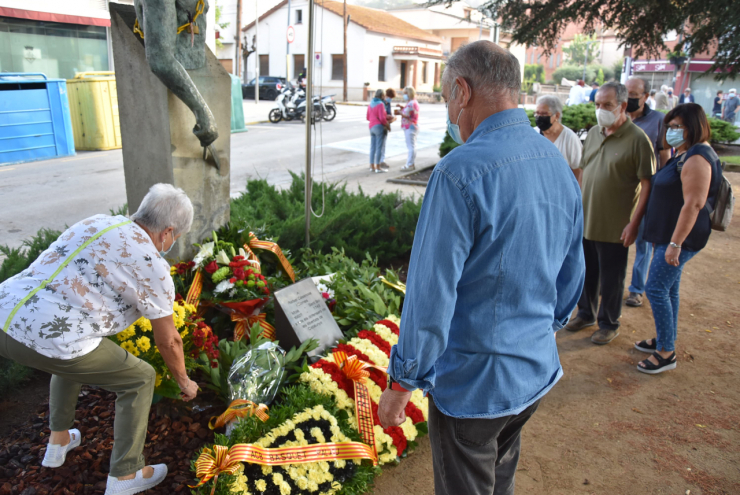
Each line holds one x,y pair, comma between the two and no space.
157,133
416,74
436,74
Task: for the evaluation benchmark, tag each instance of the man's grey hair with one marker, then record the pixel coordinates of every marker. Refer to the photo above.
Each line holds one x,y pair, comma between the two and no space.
618,88
379,93
553,103
489,69
165,206
733,90
645,84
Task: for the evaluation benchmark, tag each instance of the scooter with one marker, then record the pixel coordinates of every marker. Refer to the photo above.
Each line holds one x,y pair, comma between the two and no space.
286,108
329,108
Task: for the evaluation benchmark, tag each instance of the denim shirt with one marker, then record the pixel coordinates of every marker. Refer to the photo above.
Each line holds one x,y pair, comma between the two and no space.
496,269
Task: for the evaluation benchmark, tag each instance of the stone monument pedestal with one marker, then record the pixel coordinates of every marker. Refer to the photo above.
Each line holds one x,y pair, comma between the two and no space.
157,133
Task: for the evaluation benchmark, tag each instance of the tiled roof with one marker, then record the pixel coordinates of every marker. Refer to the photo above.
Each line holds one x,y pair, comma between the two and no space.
380,21
377,21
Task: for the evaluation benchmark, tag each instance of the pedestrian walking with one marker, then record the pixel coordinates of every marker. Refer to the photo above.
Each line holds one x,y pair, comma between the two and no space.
390,93
410,125
717,107
678,222
105,272
651,100
672,100
378,118
618,162
547,118
730,107
651,122
686,97
501,224
661,99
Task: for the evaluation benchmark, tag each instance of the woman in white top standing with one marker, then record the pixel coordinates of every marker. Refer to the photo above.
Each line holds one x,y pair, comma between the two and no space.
547,117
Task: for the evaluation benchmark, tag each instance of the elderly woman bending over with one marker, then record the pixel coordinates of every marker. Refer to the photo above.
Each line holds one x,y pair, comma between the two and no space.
100,276
547,118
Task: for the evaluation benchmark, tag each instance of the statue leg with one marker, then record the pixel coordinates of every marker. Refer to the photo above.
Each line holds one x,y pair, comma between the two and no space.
160,29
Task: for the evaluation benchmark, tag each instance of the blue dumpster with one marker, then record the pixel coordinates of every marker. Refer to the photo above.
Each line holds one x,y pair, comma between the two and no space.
34,118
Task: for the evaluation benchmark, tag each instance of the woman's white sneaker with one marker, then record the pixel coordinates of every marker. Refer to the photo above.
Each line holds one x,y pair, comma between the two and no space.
56,454
138,484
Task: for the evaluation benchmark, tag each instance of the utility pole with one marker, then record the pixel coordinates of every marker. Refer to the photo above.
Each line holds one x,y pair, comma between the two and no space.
344,56
287,50
309,118
585,60
257,55
238,65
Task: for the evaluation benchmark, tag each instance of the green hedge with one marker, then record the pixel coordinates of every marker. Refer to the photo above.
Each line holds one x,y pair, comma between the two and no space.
575,117
382,225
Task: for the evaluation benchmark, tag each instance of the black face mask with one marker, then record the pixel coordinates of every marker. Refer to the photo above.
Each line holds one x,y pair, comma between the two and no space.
542,122
633,104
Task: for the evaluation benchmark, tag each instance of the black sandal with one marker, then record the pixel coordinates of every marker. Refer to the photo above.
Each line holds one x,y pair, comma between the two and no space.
663,364
643,346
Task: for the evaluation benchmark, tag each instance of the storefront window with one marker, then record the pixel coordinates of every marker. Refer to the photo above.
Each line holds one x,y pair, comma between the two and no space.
58,50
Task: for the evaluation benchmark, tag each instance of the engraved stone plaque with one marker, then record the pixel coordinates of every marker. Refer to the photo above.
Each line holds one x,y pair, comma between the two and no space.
300,314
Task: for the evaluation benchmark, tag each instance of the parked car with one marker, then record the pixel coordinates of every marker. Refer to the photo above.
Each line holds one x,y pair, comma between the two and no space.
269,87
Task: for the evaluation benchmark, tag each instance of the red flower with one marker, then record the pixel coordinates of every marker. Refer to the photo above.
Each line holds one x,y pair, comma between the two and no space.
325,295
214,364
211,267
178,297
232,280
238,262
332,305
377,340
239,273
238,257
391,325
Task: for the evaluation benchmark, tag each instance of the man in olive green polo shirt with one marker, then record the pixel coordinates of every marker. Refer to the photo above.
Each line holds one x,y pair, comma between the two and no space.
618,161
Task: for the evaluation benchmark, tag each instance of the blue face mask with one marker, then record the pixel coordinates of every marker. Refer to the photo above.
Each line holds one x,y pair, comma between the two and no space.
405,97
674,137
453,129
165,253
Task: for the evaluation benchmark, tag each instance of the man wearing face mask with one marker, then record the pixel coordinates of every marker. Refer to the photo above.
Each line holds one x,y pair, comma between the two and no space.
98,278
618,162
651,122
501,224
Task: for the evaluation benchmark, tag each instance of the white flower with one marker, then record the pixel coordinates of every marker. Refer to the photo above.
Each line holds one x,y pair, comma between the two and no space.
222,258
223,287
325,290
206,251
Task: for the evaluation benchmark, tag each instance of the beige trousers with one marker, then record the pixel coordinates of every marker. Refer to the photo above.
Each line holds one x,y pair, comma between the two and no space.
109,367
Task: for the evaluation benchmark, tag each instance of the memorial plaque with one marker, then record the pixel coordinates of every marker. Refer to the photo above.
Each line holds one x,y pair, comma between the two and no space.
300,314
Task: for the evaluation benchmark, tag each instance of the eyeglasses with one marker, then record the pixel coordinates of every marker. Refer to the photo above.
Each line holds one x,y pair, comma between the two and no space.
674,127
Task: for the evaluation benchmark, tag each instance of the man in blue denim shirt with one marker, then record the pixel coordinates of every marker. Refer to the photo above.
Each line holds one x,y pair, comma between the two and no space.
496,269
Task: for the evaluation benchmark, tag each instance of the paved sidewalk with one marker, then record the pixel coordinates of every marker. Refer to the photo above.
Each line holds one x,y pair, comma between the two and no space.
257,113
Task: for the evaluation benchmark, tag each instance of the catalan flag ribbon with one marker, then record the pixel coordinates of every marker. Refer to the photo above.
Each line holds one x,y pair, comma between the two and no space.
240,408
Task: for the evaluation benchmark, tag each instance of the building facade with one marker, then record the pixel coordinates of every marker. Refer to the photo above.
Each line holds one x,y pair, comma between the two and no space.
382,50
56,37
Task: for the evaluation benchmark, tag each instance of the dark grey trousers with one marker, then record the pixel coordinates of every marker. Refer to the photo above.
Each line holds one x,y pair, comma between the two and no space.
475,456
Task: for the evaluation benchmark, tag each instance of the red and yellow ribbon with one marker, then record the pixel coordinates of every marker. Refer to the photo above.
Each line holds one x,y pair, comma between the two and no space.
222,460
196,288
244,323
199,8
255,243
357,371
209,465
240,408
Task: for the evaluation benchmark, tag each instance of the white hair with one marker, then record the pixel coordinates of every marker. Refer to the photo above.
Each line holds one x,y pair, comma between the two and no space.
411,92
553,103
733,90
165,206
488,69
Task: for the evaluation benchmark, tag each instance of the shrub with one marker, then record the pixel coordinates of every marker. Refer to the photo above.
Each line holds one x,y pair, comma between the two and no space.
447,145
575,117
18,259
573,73
381,225
722,132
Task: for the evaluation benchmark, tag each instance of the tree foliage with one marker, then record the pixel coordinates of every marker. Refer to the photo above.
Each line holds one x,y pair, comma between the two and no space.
577,48
705,24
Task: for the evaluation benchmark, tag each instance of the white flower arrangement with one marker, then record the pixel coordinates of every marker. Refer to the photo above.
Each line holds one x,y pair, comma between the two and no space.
223,286
206,251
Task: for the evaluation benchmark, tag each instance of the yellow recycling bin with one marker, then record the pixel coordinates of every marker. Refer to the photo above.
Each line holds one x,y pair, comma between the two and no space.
93,105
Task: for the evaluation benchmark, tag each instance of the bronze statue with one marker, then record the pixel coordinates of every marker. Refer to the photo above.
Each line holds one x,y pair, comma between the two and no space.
174,39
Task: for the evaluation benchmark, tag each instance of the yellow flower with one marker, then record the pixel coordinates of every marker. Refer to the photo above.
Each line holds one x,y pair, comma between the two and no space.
239,485
173,271
284,488
260,485
158,380
184,334
144,324
189,308
130,347
144,344
178,315
126,334
266,470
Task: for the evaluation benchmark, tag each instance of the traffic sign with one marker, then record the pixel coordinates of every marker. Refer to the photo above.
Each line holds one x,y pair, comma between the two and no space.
291,34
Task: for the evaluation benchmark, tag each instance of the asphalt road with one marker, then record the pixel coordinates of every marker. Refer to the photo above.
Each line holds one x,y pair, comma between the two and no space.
55,193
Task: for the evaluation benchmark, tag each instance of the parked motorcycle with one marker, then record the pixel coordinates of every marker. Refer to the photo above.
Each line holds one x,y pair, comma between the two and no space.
291,104
329,108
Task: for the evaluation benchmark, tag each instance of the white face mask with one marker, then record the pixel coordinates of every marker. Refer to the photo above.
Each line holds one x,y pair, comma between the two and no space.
606,118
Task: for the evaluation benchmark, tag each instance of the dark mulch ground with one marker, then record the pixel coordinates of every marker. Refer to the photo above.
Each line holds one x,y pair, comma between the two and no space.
175,433
726,149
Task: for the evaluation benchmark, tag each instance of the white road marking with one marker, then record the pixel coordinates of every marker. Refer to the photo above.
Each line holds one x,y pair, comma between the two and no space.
395,144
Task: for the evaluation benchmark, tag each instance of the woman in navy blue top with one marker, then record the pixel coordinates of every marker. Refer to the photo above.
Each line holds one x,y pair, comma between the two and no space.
678,222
